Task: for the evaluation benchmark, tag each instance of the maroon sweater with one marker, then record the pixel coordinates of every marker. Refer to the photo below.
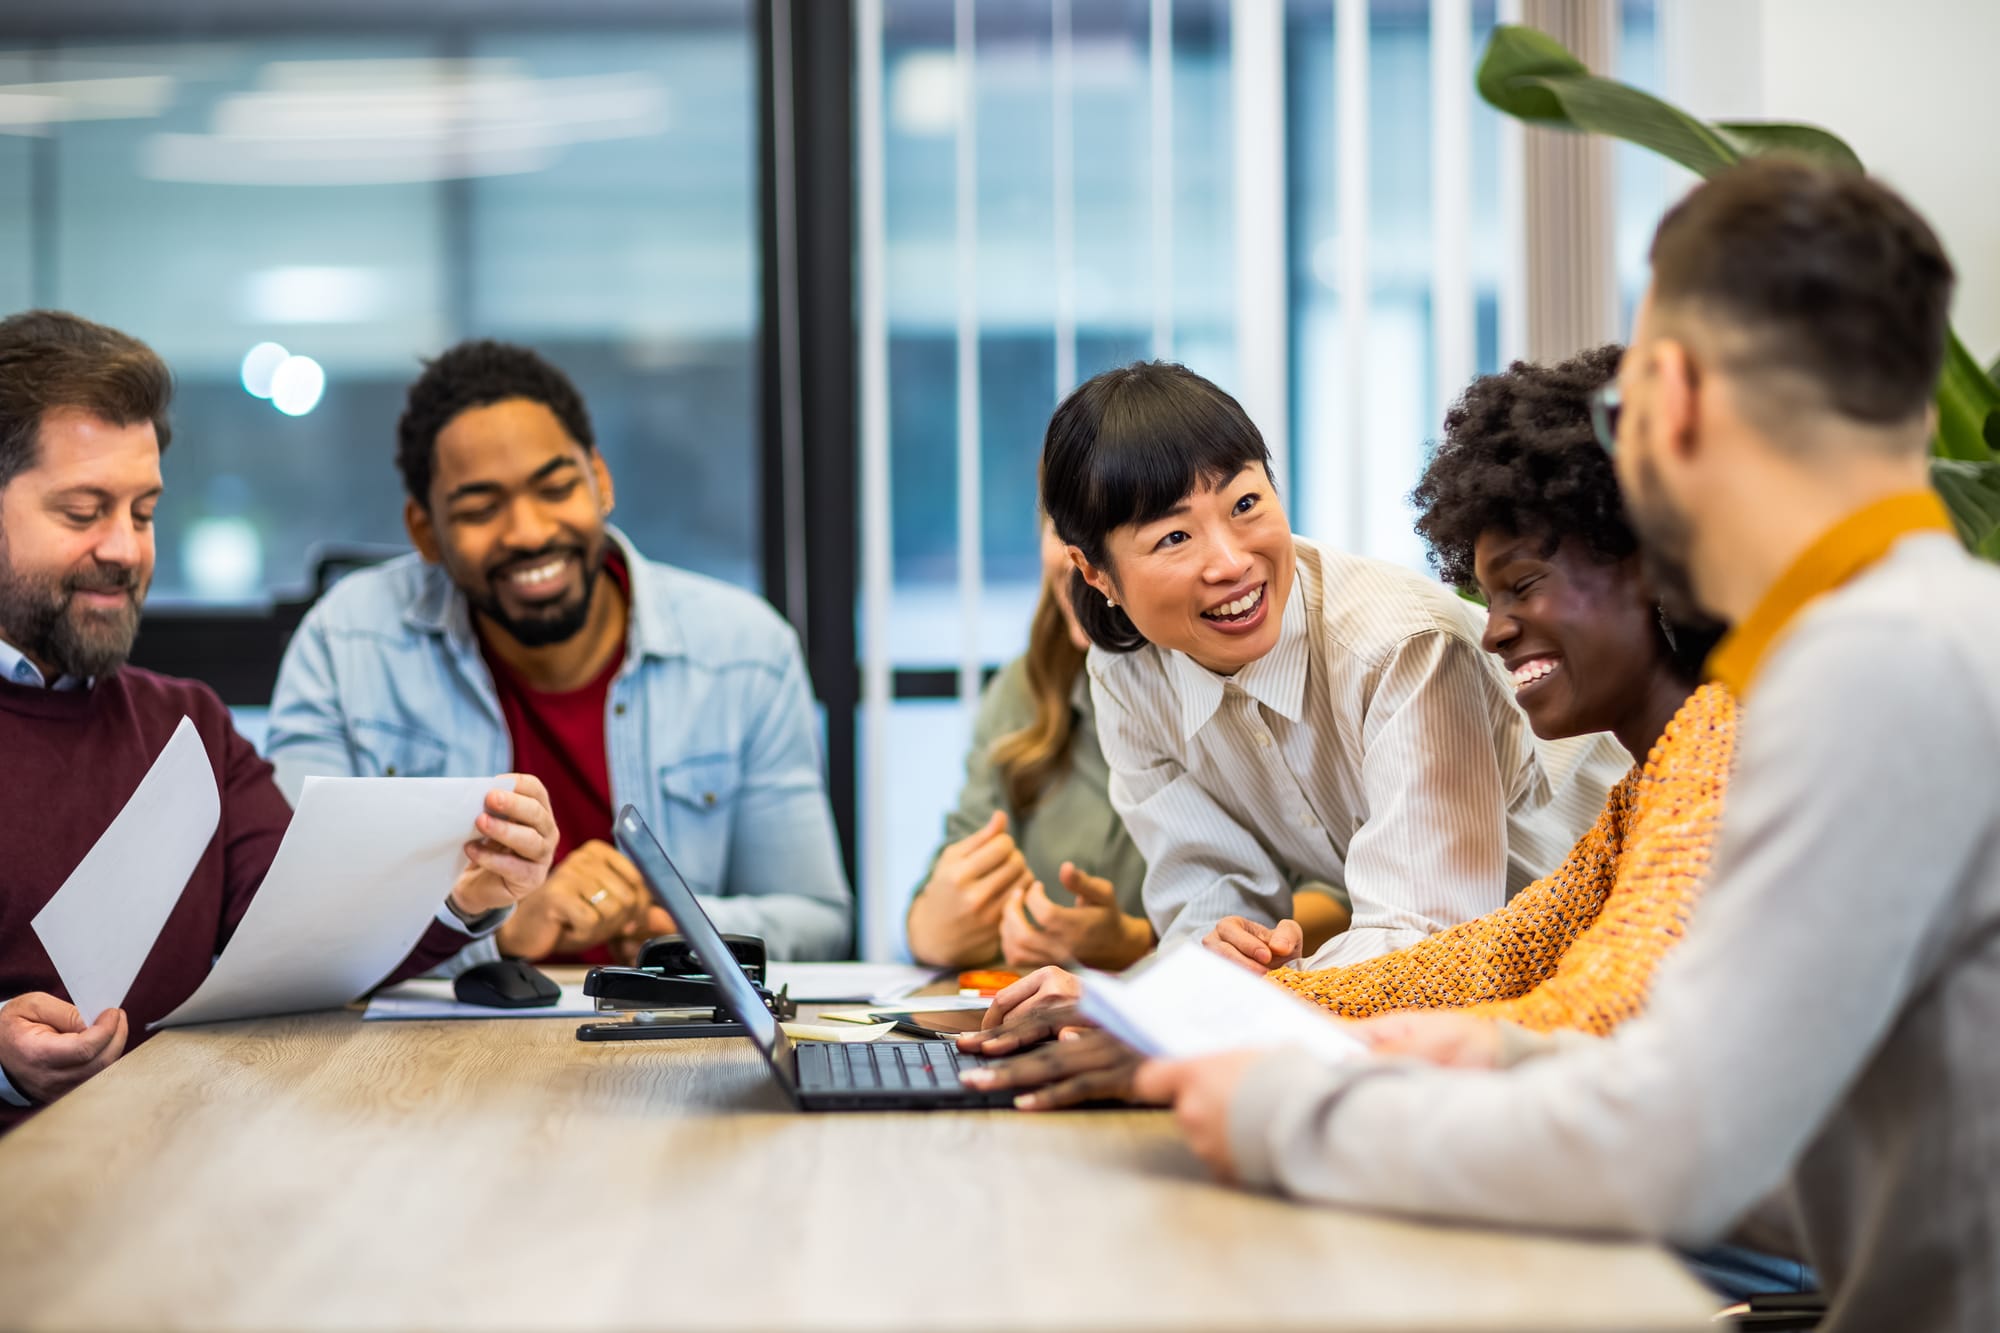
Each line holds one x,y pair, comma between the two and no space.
69,761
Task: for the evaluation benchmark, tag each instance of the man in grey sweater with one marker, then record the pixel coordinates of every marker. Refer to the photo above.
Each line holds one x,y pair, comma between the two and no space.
1827,1032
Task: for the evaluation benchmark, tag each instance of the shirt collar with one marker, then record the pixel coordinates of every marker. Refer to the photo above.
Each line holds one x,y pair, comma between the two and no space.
1843,551
1277,679
17,669
440,608
1079,694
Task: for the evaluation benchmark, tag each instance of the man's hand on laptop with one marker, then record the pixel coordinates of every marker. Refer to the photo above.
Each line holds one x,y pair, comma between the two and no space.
1038,990
1025,1029
593,896
1081,1065
511,855
1259,948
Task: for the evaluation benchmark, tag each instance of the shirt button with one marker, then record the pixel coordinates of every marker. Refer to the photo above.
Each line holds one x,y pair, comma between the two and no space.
619,710
1263,738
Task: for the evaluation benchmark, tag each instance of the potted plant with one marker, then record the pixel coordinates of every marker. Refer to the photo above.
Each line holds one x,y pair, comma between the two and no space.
1531,76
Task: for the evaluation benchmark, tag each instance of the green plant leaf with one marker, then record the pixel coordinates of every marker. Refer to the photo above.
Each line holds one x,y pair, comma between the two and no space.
1605,106
1752,138
1530,75
1971,492
1513,53
1967,399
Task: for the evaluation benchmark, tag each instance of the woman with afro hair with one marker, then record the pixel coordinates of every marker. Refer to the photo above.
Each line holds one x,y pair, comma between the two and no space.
1521,503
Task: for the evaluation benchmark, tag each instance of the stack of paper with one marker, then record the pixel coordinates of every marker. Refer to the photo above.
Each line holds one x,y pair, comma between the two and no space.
431,998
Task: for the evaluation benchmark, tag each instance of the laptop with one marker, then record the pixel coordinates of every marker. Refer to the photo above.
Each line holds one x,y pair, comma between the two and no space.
816,1075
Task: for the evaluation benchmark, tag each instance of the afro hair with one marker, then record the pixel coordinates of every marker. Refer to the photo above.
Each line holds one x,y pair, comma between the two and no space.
1519,456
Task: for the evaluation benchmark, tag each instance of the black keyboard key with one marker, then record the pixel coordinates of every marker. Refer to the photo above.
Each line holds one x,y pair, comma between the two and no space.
917,1066
867,1070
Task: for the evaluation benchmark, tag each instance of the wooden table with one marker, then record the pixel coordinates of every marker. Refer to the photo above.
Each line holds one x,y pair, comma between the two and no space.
319,1172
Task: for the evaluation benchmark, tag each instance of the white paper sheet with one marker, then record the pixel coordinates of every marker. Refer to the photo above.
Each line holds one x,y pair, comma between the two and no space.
431,998
849,983
1189,1002
103,922
361,874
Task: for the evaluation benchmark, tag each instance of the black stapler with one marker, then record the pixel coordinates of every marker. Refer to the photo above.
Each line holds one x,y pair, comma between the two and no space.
668,995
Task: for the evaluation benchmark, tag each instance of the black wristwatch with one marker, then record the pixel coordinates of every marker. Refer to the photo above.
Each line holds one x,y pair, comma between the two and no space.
475,925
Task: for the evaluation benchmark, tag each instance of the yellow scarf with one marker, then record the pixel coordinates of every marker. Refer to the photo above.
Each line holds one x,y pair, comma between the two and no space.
1843,551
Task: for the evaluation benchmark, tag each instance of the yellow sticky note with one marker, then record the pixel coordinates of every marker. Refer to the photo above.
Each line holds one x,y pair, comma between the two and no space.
839,1032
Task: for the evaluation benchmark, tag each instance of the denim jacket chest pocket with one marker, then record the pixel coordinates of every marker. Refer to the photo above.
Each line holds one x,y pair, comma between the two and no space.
701,808
395,750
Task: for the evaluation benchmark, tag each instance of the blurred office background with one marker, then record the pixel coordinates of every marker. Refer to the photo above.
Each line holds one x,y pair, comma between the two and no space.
821,268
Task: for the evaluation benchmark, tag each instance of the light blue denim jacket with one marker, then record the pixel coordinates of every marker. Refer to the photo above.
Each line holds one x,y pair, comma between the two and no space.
710,727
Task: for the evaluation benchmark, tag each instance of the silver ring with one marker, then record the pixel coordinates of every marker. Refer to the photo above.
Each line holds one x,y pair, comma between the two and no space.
599,896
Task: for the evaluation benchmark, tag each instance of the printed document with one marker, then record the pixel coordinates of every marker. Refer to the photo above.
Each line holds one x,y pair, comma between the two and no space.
433,998
104,920
362,873
1188,1002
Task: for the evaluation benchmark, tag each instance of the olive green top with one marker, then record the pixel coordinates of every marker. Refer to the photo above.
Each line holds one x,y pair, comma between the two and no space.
1073,820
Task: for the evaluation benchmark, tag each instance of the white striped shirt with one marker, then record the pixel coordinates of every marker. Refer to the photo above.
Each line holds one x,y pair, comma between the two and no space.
1376,747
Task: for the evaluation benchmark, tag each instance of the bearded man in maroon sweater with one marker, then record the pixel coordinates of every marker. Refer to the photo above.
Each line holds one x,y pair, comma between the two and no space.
83,421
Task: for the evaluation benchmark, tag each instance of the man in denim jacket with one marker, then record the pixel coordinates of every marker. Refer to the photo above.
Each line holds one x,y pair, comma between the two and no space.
527,634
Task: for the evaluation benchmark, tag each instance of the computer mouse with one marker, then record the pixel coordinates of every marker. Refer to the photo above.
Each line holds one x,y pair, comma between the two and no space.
505,983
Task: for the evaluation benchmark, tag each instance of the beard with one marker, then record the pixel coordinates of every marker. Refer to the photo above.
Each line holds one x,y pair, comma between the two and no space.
1666,538
39,616
554,623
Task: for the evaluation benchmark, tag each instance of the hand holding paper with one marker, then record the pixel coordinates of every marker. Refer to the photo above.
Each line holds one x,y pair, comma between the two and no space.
353,889
1189,1003
1210,1021
1200,1091
46,1048
512,859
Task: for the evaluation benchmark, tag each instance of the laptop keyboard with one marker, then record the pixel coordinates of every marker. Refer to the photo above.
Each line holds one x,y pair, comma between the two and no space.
865,1066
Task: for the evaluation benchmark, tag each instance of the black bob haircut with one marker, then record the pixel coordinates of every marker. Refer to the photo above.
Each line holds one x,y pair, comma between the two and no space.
473,374
1519,456
1125,447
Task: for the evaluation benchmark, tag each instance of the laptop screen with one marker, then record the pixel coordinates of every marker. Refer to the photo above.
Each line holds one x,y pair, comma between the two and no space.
738,996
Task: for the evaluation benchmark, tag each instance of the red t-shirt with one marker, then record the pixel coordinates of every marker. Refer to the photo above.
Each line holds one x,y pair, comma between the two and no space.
559,736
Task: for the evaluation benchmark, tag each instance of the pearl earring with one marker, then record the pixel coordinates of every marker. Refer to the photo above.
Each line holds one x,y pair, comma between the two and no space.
1109,602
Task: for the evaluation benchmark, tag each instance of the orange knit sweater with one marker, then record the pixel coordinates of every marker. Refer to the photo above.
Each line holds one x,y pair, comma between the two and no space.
1578,948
